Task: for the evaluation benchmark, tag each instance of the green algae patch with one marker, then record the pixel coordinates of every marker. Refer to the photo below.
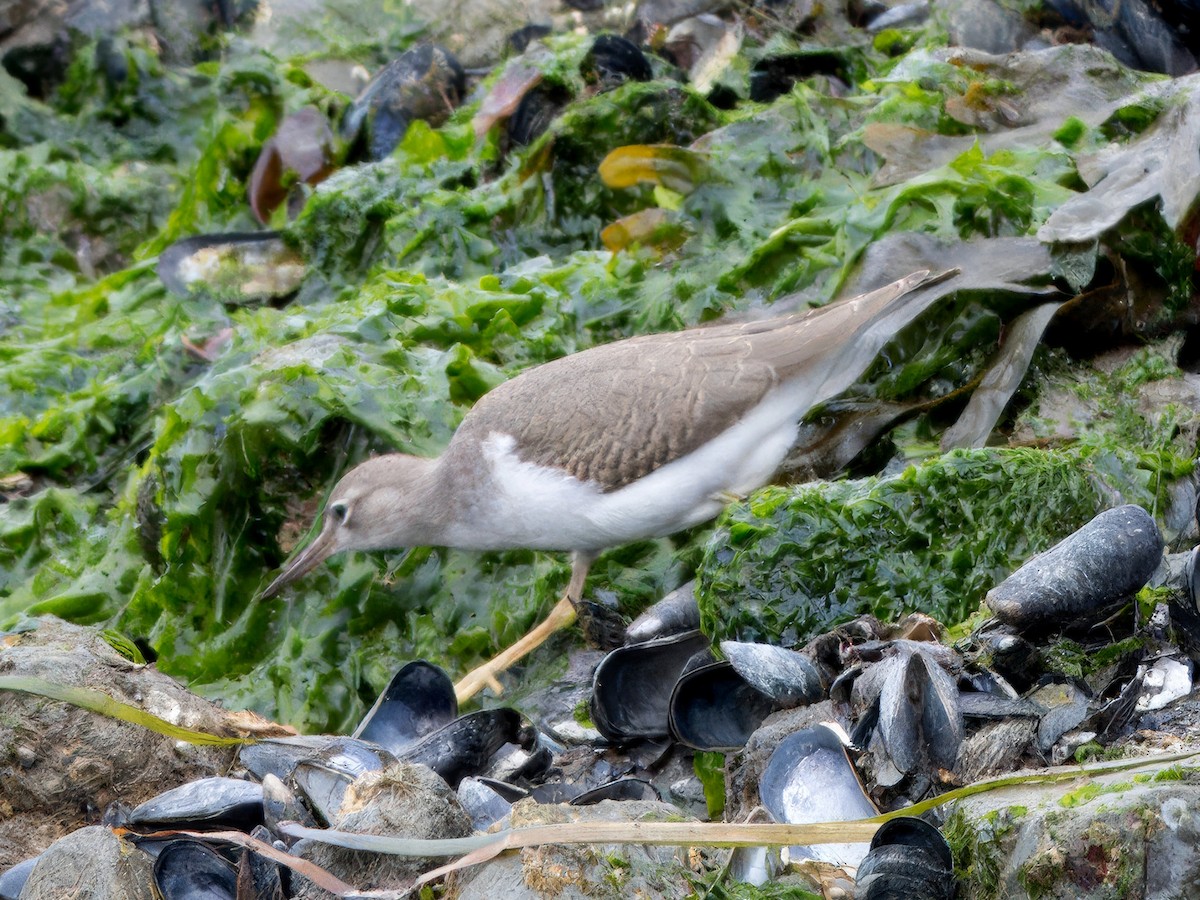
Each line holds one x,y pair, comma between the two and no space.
790,563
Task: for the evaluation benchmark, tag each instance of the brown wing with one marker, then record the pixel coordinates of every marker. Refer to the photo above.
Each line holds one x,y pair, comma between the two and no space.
615,413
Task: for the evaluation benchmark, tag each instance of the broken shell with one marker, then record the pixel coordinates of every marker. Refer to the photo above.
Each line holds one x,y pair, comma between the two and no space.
632,686
300,152
281,756
425,82
714,708
482,802
809,778
232,268
464,746
417,701
1107,560
908,858
620,789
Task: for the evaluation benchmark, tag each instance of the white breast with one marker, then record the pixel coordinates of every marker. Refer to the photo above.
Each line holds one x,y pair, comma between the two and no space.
544,508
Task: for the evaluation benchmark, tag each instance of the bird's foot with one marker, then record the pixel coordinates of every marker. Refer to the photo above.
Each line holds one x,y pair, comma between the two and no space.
602,626
485,676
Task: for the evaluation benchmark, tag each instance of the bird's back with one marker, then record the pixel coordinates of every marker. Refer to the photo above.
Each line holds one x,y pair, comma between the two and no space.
615,413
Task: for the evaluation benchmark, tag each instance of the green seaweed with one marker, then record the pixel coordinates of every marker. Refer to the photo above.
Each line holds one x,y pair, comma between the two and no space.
793,562
167,487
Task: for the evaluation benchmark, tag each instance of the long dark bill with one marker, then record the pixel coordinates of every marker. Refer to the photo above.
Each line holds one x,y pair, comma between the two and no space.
312,556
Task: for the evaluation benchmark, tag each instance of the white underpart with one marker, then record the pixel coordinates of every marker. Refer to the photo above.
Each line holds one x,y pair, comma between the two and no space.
545,508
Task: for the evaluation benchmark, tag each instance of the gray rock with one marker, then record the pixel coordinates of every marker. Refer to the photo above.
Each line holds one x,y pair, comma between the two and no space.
91,864
579,870
405,800
1107,836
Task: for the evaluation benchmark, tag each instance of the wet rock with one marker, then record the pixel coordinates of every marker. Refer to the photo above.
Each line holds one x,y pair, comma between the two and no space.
54,751
1107,836
1107,560
404,800
579,870
90,864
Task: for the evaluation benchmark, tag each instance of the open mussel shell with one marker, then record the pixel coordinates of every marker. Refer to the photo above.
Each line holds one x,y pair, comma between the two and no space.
632,686
426,82
908,858
464,746
207,801
1106,561
190,870
417,701
233,268
714,708
809,778
786,676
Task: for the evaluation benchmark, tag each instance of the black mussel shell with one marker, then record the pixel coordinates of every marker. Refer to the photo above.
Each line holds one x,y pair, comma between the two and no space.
673,614
464,746
920,720
417,701
209,801
232,268
190,870
714,708
1106,561
426,82
908,858
774,76
809,778
535,112
631,688
280,756
786,676
614,60
520,39
621,789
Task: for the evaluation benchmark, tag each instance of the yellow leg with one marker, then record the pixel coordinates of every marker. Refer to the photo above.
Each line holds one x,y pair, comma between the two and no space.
485,676
560,617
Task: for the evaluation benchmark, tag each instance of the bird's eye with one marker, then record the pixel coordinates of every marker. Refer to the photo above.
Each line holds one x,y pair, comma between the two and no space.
338,511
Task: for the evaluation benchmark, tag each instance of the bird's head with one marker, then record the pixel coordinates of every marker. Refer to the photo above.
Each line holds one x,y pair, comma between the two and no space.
377,505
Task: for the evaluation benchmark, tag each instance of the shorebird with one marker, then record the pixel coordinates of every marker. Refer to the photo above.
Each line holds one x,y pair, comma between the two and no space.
639,438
